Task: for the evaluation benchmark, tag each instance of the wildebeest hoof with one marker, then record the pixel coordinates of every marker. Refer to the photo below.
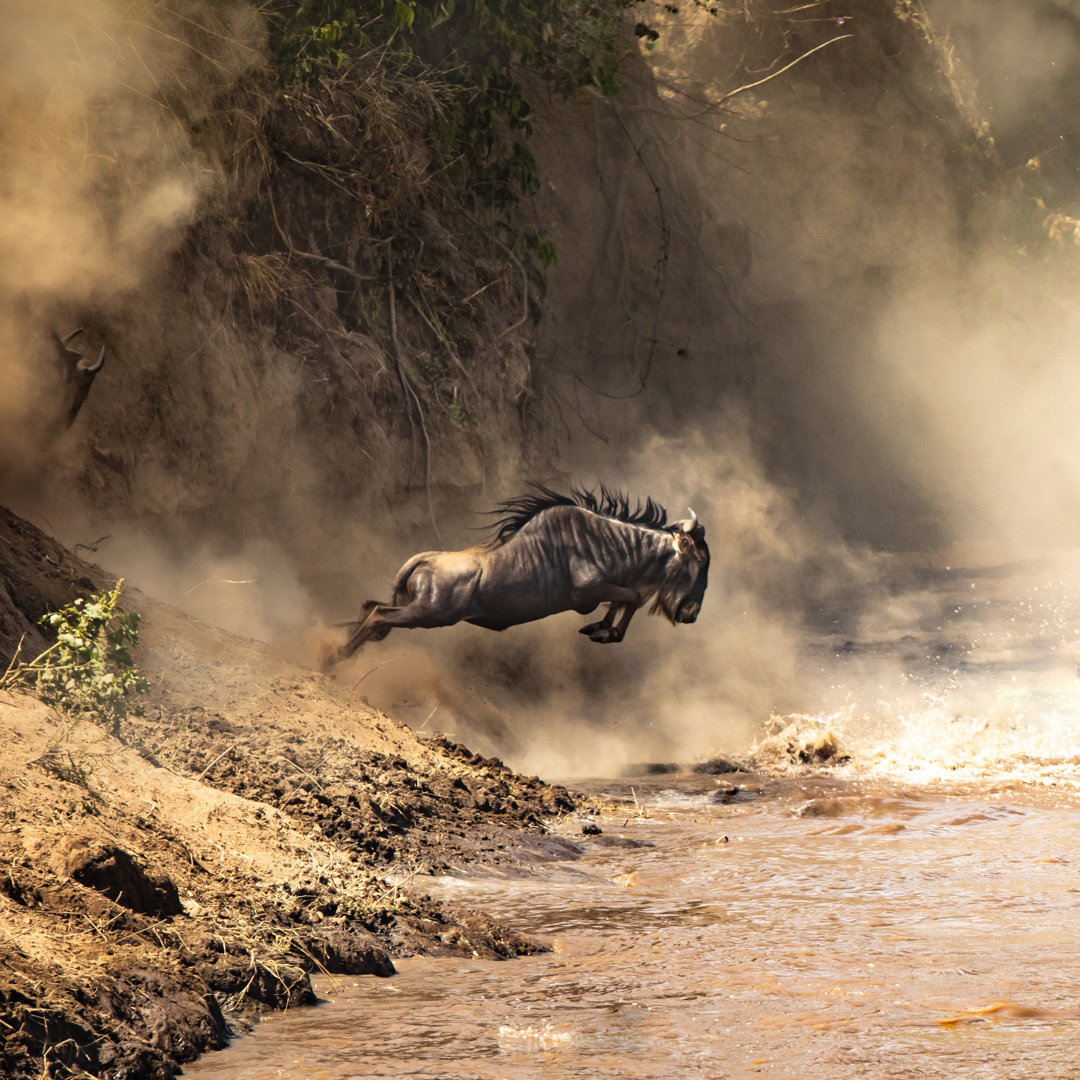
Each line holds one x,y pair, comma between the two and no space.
605,635
590,629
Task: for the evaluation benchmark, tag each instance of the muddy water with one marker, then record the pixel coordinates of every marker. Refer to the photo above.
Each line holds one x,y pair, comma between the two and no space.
819,926
908,911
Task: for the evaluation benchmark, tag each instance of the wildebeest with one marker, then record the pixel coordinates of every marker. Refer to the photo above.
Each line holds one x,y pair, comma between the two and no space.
549,553
79,371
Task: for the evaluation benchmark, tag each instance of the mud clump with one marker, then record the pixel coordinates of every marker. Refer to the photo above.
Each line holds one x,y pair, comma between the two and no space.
385,810
114,873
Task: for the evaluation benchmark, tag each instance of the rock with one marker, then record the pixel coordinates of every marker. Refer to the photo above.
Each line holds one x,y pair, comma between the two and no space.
620,842
341,952
590,828
815,808
651,768
717,766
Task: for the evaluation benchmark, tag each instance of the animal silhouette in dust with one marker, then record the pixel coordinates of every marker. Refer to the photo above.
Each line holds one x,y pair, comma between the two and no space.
79,371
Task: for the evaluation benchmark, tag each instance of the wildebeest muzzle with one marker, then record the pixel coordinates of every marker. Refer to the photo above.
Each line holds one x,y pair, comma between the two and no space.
687,611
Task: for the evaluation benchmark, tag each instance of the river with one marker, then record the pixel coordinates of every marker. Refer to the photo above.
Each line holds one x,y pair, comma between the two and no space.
810,927
905,908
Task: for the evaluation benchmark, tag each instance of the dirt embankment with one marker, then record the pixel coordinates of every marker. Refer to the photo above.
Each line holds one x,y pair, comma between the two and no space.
260,822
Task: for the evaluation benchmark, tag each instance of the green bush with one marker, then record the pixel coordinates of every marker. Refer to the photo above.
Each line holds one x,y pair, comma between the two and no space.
481,46
89,669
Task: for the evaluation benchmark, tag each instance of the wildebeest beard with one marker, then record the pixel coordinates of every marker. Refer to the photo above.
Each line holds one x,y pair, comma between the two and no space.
550,553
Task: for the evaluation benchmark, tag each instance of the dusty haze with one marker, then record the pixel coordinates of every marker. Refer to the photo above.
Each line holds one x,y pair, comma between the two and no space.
101,180
813,310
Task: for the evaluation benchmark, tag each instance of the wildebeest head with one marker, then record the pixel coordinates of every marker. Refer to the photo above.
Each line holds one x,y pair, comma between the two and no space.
80,370
687,573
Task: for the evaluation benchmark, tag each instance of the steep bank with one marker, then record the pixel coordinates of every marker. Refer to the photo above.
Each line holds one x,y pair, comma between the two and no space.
258,823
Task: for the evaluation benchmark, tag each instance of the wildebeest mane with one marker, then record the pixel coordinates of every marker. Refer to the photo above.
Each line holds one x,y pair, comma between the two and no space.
517,512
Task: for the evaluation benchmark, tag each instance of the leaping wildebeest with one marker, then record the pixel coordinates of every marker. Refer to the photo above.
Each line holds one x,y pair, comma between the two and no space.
549,553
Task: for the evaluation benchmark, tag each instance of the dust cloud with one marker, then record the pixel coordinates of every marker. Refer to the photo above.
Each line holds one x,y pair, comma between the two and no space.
825,318
100,176
251,588
844,331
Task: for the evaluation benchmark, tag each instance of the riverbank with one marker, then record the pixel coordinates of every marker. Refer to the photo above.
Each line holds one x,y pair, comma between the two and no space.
260,822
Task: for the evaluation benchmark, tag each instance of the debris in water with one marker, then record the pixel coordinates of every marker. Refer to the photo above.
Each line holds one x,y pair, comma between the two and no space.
797,740
730,793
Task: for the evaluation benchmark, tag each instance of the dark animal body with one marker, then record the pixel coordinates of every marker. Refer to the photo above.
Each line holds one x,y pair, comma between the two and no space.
550,553
79,372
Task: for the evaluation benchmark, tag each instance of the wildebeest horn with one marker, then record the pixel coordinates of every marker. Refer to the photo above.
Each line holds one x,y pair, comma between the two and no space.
691,526
65,341
687,525
91,369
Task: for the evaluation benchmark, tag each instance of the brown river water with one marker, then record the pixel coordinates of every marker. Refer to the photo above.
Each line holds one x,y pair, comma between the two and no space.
911,912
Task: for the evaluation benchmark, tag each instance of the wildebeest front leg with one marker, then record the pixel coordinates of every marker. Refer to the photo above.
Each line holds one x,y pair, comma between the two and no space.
606,633
607,630
603,625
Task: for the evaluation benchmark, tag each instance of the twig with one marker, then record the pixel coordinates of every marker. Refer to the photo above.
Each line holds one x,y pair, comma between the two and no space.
143,930
212,764
786,67
94,545
474,295
521,270
304,771
222,581
14,660
432,322
375,668
524,290
659,278
399,355
294,250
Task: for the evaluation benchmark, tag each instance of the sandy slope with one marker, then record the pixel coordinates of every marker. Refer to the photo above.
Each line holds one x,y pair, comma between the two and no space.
259,822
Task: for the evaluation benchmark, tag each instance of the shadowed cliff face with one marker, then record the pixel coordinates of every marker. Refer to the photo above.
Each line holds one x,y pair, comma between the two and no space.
792,227
752,240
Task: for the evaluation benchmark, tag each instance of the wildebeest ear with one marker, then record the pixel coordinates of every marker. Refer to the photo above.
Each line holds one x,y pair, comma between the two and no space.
683,541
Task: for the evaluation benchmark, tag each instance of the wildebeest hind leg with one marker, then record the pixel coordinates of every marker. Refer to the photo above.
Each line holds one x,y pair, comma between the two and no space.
382,618
374,633
364,631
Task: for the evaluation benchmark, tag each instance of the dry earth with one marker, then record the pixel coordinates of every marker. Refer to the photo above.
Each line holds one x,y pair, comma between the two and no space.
258,823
